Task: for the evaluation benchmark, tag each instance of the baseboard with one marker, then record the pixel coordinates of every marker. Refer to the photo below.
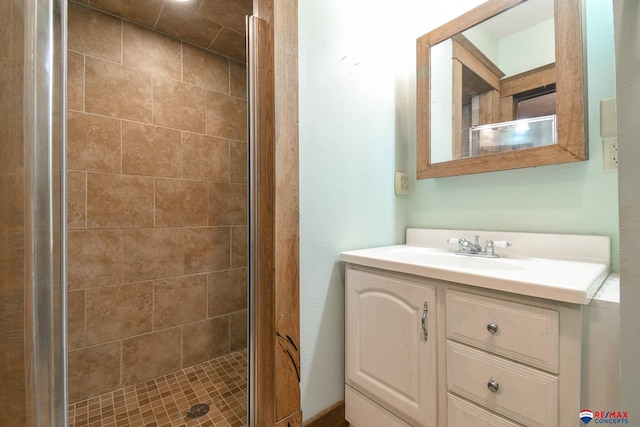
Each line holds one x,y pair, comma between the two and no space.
333,416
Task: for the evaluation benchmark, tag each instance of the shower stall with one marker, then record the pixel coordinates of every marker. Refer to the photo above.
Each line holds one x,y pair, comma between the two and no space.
123,220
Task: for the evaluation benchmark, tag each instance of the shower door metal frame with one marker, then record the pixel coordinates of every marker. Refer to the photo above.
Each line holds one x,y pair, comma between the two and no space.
45,50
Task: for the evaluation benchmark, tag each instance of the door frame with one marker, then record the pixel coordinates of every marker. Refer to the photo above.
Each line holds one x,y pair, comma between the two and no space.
274,258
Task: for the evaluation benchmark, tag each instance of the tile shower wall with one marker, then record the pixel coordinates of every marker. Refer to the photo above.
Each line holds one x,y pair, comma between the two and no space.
13,278
157,183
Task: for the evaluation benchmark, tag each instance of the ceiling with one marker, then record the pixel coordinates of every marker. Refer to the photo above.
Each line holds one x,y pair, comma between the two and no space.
216,25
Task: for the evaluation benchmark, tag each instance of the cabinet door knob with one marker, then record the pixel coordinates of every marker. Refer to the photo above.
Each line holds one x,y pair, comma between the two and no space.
492,327
493,386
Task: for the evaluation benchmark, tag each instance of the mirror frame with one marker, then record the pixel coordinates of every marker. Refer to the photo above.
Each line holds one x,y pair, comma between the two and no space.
571,94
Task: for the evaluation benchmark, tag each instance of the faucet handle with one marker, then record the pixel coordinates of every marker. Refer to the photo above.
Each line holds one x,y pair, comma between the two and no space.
501,243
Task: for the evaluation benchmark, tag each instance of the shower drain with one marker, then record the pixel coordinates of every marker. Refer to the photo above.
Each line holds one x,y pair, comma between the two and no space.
198,410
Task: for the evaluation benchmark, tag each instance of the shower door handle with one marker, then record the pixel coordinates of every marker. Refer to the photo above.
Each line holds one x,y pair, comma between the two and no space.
425,326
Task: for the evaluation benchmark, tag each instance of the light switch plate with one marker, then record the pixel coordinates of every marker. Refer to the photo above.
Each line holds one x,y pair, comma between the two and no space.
608,117
401,183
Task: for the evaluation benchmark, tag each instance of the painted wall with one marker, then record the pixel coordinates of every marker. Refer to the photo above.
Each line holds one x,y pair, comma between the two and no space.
357,126
353,133
528,49
627,14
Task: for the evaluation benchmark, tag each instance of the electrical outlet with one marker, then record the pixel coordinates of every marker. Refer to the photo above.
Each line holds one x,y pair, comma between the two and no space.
610,153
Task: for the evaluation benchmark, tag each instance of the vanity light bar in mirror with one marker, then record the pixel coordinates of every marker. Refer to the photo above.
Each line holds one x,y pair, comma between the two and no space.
513,135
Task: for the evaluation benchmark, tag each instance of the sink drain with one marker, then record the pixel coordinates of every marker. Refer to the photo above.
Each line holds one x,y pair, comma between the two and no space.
198,410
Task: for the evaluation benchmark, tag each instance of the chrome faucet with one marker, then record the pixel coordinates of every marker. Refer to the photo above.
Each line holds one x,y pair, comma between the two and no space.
465,247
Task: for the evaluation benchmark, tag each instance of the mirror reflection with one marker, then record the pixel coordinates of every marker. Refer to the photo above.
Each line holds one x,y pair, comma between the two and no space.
495,83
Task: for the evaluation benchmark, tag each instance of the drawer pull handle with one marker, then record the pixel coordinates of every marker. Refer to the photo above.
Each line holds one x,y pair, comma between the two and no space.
492,327
425,332
493,386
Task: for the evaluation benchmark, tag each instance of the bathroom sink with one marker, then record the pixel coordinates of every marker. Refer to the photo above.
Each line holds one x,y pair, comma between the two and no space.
451,260
567,268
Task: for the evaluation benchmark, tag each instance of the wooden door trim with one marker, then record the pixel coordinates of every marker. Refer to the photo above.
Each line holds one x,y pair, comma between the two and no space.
276,327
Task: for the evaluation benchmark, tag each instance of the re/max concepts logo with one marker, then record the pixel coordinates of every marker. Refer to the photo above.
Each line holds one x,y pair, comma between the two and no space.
602,417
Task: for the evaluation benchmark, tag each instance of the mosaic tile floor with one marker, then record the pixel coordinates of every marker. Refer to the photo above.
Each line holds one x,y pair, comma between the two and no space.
221,383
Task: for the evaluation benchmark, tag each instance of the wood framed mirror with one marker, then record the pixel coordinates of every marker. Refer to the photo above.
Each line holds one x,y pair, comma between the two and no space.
472,107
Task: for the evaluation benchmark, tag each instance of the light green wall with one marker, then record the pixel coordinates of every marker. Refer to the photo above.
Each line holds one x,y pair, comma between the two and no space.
569,198
348,156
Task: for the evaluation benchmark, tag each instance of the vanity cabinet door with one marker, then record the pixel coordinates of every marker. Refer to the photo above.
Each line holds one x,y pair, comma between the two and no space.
391,344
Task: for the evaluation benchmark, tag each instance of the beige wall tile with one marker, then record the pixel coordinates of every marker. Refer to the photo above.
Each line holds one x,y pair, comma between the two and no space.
144,12
151,150
117,91
238,79
238,330
179,300
226,116
228,13
93,371
231,43
182,20
76,199
238,161
75,81
117,312
227,292
239,247
205,340
93,143
11,174
12,67
150,51
95,258
227,204
12,319
205,69
180,203
94,33
161,348
207,249
119,201
75,320
179,105
152,253
205,157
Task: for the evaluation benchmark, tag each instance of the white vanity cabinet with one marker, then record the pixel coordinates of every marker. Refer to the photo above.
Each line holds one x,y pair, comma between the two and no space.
489,358
390,340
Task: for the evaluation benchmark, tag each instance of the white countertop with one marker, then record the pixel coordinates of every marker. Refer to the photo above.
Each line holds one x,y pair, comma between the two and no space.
608,296
573,269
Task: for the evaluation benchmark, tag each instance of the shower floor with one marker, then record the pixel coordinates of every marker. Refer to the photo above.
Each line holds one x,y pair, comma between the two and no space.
164,401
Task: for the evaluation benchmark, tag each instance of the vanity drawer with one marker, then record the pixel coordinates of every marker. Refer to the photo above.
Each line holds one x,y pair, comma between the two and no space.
524,394
461,413
518,331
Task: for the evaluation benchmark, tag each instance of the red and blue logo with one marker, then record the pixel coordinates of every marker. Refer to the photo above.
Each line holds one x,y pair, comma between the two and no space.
604,417
586,416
